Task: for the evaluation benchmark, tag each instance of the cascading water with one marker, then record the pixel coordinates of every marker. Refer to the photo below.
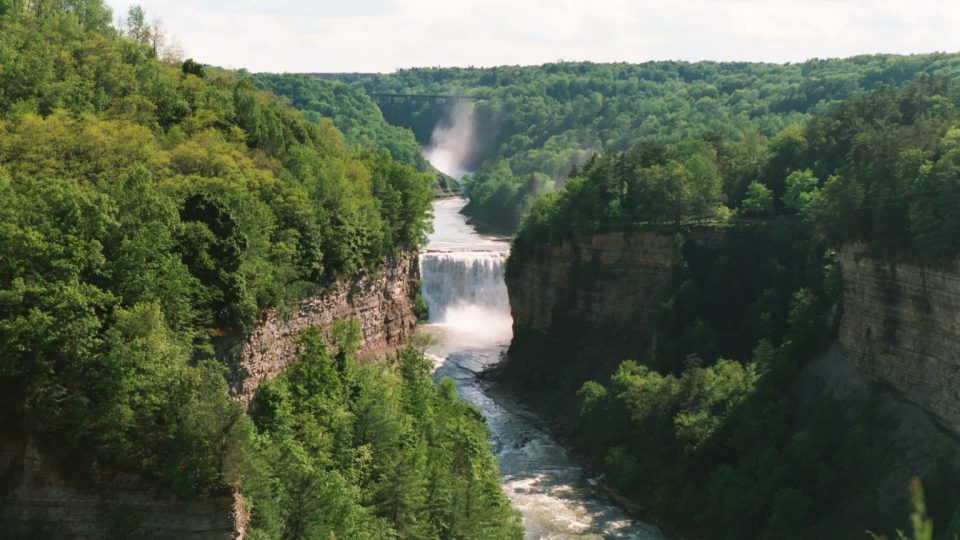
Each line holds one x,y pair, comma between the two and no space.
462,274
465,290
455,279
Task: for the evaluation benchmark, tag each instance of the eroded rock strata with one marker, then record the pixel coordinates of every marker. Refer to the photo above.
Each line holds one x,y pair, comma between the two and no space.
606,287
383,303
901,327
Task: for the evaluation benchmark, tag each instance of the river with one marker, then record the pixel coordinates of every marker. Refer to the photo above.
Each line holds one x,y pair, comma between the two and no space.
470,326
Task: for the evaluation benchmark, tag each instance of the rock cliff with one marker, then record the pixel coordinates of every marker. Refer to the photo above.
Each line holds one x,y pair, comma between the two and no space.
39,503
383,303
593,297
901,327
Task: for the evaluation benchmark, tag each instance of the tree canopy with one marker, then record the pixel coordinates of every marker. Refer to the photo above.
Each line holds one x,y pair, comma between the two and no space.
534,125
150,210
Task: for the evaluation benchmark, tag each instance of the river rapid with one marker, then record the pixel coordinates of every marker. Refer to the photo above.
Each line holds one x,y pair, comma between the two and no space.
470,327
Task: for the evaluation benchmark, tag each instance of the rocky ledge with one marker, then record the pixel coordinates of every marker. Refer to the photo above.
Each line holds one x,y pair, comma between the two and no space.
383,303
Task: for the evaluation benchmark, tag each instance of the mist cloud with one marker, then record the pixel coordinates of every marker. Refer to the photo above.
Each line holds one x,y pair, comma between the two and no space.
453,141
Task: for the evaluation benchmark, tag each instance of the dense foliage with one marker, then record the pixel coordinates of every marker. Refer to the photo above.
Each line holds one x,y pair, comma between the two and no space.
535,124
350,109
359,450
879,168
149,211
710,414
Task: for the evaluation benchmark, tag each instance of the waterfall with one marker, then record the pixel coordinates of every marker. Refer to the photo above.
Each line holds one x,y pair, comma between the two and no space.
454,279
464,290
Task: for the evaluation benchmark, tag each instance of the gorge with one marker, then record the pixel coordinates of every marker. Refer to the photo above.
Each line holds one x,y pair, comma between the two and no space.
722,301
470,325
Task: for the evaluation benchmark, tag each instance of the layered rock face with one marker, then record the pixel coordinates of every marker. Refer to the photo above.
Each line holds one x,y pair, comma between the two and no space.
41,504
383,304
901,326
592,297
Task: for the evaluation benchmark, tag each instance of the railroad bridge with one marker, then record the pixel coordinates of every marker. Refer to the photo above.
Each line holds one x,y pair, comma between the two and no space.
439,98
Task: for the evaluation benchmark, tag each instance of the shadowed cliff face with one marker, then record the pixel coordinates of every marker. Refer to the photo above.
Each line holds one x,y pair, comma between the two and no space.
592,298
40,503
901,326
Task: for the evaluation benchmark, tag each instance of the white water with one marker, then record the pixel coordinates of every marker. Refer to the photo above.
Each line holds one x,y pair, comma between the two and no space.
470,322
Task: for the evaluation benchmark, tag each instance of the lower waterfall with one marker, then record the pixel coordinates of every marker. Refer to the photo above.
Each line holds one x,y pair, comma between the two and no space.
470,328
465,290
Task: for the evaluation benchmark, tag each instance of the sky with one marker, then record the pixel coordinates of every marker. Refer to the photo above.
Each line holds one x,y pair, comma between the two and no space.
384,35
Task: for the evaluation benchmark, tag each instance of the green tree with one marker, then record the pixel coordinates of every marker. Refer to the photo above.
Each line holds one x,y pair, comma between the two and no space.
758,200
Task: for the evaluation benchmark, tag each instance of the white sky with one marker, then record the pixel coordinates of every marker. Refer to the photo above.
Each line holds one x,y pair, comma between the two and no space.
383,35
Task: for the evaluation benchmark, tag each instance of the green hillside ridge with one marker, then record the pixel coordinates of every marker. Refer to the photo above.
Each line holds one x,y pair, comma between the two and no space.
354,114
705,425
150,208
538,123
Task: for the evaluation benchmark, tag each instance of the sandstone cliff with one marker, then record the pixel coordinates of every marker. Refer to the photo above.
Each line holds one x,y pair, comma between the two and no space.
383,303
901,327
593,297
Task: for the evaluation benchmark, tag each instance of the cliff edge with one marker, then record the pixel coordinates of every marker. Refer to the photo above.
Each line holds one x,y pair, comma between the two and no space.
901,327
593,297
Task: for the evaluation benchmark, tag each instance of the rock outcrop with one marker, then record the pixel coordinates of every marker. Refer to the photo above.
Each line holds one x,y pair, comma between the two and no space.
39,503
901,327
593,297
383,303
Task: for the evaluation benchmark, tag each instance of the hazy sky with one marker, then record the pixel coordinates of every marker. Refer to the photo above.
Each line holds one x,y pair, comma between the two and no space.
383,35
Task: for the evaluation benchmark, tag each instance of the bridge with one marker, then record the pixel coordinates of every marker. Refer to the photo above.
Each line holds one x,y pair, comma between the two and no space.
396,98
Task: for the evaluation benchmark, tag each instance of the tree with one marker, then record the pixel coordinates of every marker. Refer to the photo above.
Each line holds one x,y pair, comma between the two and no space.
137,28
801,191
758,200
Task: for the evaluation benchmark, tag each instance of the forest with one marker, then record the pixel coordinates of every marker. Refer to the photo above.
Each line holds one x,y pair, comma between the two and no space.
151,209
709,412
535,125
353,112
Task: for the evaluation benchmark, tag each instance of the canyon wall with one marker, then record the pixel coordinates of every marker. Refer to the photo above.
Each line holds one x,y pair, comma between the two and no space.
383,303
593,298
901,327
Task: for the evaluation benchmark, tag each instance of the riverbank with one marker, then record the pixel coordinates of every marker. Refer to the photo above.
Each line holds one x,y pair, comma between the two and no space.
544,408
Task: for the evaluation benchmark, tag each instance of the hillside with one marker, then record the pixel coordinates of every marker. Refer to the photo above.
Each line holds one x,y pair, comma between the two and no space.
674,333
152,210
535,125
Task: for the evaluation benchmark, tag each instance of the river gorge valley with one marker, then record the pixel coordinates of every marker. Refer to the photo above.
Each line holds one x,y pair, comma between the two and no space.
637,299
470,327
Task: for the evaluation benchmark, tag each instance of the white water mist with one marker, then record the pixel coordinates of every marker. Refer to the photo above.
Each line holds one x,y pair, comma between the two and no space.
452,141
465,292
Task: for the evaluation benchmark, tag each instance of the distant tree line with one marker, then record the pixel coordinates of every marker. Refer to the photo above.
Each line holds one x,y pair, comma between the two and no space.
539,123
